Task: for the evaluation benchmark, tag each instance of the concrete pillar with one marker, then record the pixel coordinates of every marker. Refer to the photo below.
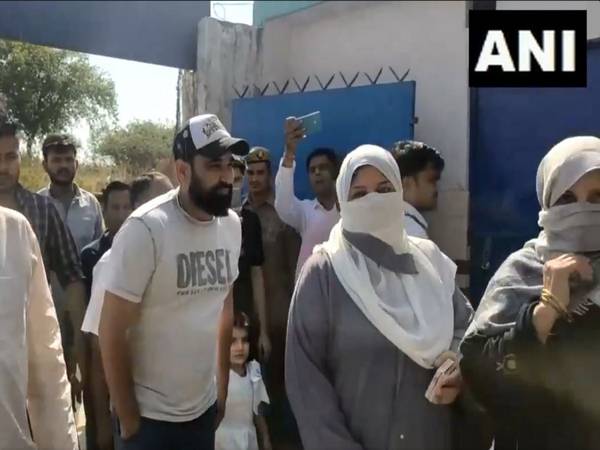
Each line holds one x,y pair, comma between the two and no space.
189,98
228,56
3,107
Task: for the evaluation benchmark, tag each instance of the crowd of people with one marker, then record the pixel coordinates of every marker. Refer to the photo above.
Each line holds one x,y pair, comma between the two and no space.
219,311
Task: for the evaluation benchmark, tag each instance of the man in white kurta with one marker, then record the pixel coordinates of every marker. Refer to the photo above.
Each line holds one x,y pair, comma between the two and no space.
33,378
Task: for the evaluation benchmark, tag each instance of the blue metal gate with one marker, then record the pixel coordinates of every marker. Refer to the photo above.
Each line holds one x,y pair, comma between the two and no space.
351,116
511,131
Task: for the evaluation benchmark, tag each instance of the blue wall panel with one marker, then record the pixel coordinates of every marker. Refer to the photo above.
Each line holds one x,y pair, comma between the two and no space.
163,33
513,129
377,114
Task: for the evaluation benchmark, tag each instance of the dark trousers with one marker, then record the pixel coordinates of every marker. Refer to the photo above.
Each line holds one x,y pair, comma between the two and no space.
281,421
90,420
198,434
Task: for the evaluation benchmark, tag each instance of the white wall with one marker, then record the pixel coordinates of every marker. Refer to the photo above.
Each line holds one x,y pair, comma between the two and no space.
429,38
592,7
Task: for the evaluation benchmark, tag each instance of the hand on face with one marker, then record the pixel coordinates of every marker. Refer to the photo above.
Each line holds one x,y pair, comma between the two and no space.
560,271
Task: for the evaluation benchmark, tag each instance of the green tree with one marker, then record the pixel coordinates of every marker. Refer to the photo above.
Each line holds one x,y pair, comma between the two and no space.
138,146
48,90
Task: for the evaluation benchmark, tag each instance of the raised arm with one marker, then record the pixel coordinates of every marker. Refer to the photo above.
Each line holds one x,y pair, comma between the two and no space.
287,205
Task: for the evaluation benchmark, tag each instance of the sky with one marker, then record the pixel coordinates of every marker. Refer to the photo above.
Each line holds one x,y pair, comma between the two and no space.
148,91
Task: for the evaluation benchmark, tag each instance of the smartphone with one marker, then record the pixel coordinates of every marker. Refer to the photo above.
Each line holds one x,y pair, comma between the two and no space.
311,122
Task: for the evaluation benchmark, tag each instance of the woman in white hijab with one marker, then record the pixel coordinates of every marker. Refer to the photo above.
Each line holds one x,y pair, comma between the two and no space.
531,354
374,313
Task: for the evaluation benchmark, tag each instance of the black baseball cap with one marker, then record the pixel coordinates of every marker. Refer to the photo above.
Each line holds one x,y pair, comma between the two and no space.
205,135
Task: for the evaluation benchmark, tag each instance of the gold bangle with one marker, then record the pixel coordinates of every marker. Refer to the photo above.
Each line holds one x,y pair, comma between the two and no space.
549,299
551,305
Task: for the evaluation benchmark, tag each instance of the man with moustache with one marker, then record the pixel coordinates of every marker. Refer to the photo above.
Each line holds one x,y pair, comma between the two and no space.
281,246
35,404
249,288
166,324
58,249
421,168
78,208
81,213
95,259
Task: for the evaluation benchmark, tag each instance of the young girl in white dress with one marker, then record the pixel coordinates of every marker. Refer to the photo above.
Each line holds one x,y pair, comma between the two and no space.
243,423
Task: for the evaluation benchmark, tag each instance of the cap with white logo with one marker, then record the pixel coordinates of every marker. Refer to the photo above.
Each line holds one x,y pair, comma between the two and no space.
205,135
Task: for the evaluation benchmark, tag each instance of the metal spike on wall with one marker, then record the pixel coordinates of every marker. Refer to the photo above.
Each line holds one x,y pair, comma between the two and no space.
284,87
303,88
349,83
243,93
376,79
263,91
325,86
352,81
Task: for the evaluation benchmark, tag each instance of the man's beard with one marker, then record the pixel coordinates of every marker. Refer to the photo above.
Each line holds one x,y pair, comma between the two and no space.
66,179
210,200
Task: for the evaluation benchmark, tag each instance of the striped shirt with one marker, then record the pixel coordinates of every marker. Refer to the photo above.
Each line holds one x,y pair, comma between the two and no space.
83,215
58,248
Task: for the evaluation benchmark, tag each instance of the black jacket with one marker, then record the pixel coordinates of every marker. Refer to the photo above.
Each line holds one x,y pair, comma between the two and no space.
539,396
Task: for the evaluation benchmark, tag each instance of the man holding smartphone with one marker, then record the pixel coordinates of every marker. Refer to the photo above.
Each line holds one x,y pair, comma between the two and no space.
312,219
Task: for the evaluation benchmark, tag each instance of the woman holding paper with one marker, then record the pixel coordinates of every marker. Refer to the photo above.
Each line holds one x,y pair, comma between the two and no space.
375,312
531,354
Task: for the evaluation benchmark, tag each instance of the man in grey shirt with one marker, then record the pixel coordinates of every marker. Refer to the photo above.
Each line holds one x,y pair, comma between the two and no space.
79,209
81,213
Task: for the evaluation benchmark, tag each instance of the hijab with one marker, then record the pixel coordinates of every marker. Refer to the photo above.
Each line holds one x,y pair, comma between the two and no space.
409,297
571,228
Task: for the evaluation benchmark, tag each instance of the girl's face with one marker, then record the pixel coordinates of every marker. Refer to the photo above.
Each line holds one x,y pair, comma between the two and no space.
240,347
368,179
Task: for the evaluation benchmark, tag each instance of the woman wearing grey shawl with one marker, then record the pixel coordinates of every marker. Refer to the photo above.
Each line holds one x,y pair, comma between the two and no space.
374,313
531,355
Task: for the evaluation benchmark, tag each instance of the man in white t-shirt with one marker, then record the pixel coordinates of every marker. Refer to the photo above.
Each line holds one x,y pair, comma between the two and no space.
143,189
166,324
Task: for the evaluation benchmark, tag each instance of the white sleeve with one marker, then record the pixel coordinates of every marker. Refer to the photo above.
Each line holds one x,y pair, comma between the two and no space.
413,228
287,205
236,239
91,320
132,261
259,391
49,391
